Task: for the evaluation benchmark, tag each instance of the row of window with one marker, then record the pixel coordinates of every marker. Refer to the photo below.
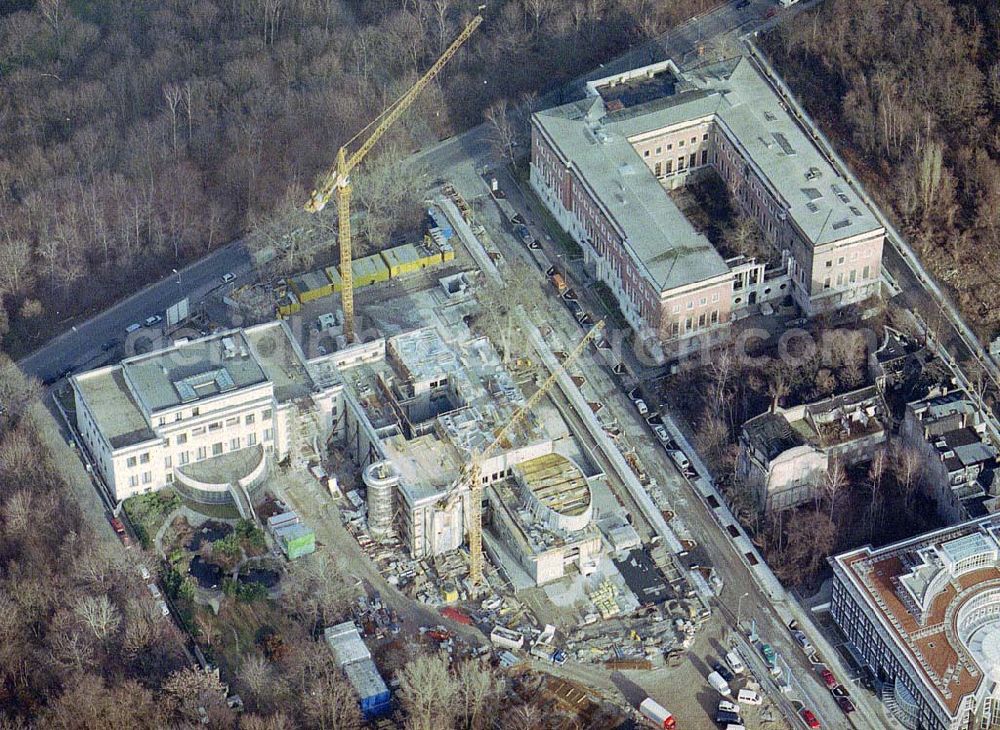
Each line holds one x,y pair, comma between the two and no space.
666,169
201,453
701,303
851,278
216,425
680,143
704,320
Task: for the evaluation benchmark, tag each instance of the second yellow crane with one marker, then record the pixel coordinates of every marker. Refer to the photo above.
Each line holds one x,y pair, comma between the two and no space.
471,476
339,178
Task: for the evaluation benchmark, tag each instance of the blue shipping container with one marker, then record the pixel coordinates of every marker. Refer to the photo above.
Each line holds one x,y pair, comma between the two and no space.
374,696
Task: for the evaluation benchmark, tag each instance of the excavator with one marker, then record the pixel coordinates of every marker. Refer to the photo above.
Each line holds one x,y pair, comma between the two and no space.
338,179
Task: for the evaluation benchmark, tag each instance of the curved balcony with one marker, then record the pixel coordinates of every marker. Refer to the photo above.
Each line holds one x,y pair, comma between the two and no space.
208,480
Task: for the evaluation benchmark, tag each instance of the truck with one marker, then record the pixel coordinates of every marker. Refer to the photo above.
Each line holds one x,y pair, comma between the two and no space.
719,684
657,714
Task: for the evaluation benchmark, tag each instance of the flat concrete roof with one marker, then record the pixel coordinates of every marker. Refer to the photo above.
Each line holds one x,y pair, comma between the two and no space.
280,360
595,138
193,371
659,236
114,410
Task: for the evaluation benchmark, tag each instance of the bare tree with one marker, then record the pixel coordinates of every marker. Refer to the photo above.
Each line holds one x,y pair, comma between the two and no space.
777,388
429,693
834,482
99,615
907,462
331,704
876,472
192,688
173,94
503,130
479,690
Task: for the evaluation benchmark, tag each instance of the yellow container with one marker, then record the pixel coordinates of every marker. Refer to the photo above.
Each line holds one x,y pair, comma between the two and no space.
336,283
310,286
288,305
369,270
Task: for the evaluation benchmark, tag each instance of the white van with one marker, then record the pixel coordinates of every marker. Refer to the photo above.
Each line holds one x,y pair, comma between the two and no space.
719,684
133,327
735,663
749,697
734,726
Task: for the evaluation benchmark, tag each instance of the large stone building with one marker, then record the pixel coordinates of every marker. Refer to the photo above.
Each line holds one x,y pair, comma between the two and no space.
785,455
957,457
924,616
603,166
206,416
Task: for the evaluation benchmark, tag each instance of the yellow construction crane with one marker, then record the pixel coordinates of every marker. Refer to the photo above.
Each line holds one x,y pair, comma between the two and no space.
471,474
339,178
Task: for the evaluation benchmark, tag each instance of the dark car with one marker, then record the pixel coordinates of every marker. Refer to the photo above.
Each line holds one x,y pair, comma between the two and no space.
723,671
846,705
109,345
724,717
742,4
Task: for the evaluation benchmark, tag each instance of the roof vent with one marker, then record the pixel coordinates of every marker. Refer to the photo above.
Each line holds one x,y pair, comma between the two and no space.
842,223
813,208
812,193
769,116
813,173
855,211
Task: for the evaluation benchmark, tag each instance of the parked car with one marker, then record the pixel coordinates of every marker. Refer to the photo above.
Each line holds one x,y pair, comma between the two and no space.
661,433
809,718
132,328
641,406
728,718
770,658
723,671
155,319
727,706
735,663
749,697
680,460
846,705
742,4
117,526
109,345
802,640
719,684
228,277
828,679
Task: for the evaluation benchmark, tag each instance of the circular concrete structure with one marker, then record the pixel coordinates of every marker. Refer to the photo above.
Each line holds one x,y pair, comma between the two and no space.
557,492
380,479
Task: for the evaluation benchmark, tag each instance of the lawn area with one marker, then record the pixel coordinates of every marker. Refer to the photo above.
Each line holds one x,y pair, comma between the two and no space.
570,247
611,307
147,512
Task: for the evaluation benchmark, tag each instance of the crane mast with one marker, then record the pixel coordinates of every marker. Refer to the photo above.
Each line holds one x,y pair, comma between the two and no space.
472,474
338,180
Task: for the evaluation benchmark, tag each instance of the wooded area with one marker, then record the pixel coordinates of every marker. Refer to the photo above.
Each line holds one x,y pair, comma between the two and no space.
911,91
139,134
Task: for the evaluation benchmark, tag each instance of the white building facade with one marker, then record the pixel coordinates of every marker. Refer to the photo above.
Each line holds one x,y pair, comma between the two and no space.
204,415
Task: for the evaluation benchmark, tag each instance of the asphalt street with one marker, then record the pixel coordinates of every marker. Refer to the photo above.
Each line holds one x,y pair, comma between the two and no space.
81,346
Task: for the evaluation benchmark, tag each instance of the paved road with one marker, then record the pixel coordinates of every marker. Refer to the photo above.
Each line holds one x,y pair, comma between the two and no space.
80,347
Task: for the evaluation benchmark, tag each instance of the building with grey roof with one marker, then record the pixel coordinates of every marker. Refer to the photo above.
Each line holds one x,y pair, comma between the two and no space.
603,164
785,454
957,455
207,416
